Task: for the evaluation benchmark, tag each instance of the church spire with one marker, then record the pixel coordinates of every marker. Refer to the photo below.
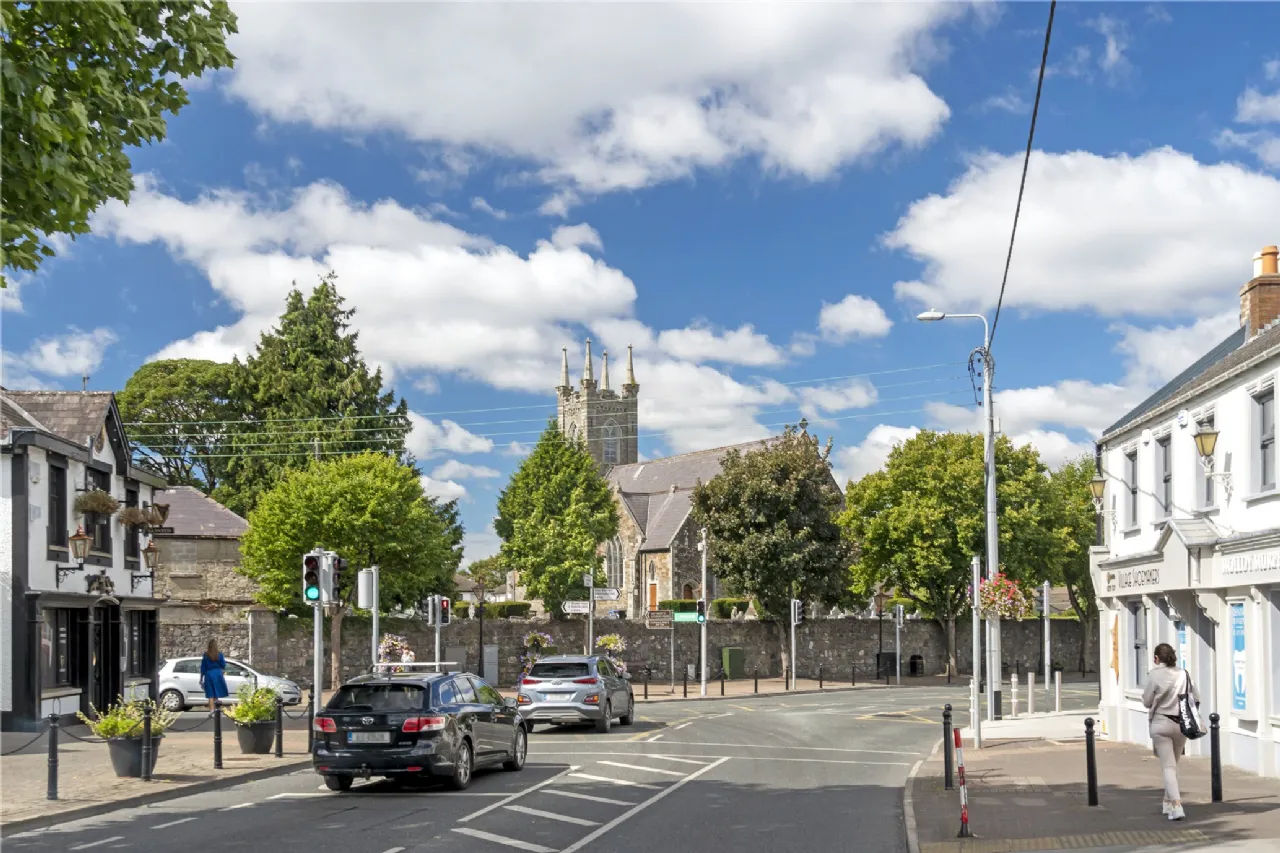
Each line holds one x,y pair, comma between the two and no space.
630,388
604,372
564,367
588,375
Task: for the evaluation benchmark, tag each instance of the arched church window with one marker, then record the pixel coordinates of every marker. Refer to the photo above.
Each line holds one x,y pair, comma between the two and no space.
615,564
610,435
653,571
688,592
573,432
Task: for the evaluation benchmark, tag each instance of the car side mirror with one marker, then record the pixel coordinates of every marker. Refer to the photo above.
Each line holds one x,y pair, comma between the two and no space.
627,676
509,703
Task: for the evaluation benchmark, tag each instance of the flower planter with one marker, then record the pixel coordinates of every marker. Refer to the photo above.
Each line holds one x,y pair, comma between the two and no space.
126,755
256,738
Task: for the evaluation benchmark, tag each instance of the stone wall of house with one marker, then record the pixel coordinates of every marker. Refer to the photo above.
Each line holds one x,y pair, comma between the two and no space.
198,570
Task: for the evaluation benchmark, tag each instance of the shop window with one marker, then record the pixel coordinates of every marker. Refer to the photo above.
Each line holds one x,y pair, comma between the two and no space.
55,648
58,506
1138,631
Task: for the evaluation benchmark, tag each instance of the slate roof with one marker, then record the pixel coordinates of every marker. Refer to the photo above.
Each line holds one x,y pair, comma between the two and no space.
71,415
13,415
193,514
1219,361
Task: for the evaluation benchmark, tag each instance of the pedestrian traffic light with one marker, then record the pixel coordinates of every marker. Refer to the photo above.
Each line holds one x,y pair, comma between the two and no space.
310,578
444,609
702,610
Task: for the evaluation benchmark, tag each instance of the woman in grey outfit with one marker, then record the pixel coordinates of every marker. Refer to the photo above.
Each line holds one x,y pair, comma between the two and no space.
1165,682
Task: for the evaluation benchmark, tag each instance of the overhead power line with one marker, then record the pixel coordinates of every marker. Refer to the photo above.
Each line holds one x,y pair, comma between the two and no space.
1026,161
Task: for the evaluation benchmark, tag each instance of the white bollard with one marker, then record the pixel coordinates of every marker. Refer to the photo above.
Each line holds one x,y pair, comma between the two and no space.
1057,691
1031,692
1014,682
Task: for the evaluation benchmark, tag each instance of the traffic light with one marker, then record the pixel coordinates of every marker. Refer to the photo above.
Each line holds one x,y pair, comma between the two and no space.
797,611
310,578
702,610
444,609
428,609
335,583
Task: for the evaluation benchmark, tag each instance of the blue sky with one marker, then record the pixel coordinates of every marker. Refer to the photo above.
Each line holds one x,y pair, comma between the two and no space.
759,199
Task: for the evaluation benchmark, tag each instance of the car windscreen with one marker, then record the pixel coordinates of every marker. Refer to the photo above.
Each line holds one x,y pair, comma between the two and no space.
559,670
378,697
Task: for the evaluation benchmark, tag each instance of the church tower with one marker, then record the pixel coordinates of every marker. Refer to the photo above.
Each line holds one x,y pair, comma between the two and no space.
606,420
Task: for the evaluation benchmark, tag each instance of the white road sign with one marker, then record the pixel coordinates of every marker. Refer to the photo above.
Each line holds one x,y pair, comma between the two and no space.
604,593
576,607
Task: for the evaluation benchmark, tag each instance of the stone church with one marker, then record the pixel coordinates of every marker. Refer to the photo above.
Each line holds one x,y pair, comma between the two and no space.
655,555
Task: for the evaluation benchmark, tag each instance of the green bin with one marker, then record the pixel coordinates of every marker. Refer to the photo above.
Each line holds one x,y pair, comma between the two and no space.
734,662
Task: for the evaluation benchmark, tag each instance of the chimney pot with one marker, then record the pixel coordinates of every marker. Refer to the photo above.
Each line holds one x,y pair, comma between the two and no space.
1260,297
1269,257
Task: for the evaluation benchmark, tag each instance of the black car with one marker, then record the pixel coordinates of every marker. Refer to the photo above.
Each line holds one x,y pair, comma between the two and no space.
416,725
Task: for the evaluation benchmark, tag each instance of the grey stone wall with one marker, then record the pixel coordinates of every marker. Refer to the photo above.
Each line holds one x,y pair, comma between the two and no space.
186,639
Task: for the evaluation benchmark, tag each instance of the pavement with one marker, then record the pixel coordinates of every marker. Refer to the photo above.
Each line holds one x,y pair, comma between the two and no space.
1030,794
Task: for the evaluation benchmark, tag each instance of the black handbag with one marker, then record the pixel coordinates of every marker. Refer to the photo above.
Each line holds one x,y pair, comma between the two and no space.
1188,712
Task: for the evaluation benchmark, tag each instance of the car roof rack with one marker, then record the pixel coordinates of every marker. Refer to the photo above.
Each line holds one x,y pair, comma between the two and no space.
377,667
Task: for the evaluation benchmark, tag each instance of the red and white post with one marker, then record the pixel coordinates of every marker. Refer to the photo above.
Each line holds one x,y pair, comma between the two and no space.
964,791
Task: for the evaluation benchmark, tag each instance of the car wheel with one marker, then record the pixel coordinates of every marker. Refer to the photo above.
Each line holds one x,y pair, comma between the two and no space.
629,717
171,700
463,766
606,722
338,783
519,751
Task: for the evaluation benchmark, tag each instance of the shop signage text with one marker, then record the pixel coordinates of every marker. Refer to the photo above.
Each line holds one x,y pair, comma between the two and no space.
1131,578
1246,564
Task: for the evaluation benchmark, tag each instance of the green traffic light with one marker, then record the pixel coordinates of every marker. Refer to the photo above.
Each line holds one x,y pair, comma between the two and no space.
313,593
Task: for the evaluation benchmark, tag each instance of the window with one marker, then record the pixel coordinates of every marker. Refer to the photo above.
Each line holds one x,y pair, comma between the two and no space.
131,548
466,695
55,648
486,694
190,666
614,564
560,670
1164,476
688,592
57,506
99,524
448,695
1266,407
610,434
235,669
1131,485
1206,487
1138,630
140,627
377,697
605,668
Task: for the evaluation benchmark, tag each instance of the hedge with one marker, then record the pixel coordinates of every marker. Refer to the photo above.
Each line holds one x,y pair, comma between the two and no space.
679,605
494,609
725,608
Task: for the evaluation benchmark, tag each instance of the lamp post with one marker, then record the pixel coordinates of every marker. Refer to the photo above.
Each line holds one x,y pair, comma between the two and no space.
79,544
151,559
880,599
1206,442
993,533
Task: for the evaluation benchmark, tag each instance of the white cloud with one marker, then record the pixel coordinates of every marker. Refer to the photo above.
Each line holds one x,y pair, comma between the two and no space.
1010,102
853,317
483,206
1264,144
1272,69
1115,38
574,89
1159,234
75,353
743,345
817,401
1157,354
518,449
1254,107
427,384
16,374
477,546
854,463
577,237
452,469
443,490
427,438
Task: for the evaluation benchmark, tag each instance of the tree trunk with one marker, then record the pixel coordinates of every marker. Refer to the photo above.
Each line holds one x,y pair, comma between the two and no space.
335,648
951,645
784,643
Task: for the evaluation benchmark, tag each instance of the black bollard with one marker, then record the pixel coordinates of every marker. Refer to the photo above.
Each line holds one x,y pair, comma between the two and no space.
853,675
1215,760
722,682
819,676
311,717
947,746
1091,762
756,688
147,746
686,683
647,673
53,757
217,734
279,727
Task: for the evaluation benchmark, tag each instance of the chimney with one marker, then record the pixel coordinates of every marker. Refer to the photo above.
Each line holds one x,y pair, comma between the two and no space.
1260,297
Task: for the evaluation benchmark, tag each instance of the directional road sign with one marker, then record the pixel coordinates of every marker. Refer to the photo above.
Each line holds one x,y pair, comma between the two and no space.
658,619
576,606
604,593
686,617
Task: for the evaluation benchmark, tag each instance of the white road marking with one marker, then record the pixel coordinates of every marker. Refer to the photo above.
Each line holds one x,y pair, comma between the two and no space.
681,726
394,850
98,843
652,739
173,823
563,818
591,778
716,716
300,795
590,797
502,839
838,761
680,760
241,806
578,845
639,767
516,796
803,748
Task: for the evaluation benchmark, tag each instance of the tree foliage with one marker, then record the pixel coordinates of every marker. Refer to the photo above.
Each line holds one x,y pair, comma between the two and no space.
919,522
489,574
552,517
1074,525
82,82
368,508
307,389
180,412
771,517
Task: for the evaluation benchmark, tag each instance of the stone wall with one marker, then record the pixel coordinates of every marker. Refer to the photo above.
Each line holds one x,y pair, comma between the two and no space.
835,644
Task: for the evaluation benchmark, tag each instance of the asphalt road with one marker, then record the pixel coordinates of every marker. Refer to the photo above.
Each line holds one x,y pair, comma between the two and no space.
688,776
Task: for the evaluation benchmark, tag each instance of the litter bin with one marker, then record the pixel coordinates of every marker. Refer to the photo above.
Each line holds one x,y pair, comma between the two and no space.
734,662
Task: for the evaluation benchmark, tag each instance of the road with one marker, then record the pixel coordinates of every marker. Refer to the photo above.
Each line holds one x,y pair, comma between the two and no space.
687,776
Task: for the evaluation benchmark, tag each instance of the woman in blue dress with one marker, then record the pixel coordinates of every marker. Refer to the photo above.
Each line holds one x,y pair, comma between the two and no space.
213,674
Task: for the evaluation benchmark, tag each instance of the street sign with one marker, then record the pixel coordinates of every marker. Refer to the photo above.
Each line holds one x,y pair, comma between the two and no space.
657,619
685,617
576,607
604,593
160,529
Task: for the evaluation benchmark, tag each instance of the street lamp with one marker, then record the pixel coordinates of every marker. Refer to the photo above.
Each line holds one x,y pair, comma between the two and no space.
1206,442
79,543
880,599
151,559
993,533
1098,490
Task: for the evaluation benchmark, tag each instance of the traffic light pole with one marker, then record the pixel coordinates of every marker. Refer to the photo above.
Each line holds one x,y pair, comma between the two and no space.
702,546
591,611
376,603
792,685
317,666
435,612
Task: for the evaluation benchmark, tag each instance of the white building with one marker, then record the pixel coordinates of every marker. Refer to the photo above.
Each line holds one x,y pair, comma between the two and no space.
1192,553
73,632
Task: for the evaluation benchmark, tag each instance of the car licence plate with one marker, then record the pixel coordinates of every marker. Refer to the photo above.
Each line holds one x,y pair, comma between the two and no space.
557,697
368,737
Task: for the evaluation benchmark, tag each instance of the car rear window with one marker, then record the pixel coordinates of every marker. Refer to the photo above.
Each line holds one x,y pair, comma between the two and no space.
559,670
377,697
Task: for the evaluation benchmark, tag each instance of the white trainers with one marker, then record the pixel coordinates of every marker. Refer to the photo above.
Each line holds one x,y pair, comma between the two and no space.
1176,812
1166,808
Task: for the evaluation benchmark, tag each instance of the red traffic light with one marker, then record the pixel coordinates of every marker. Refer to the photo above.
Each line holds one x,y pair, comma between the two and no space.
312,563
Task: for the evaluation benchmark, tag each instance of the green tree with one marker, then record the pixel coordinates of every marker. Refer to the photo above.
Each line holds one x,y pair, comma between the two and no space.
488,573
770,516
453,532
918,523
82,82
308,391
369,509
179,413
552,517
1075,530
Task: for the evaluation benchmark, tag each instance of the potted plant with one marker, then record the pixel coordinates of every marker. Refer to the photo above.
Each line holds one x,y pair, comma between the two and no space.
254,714
132,516
121,727
95,502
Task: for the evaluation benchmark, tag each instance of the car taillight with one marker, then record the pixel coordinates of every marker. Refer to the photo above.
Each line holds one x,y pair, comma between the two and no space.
528,680
523,699
592,680
423,724
326,724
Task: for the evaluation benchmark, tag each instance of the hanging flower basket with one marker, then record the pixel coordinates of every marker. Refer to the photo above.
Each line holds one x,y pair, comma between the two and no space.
613,646
96,501
1002,597
394,649
132,516
536,644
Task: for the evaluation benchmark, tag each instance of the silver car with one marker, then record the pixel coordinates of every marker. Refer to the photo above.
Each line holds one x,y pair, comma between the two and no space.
180,683
575,689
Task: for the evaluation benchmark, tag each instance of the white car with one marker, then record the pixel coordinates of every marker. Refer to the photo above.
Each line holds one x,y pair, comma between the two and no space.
180,683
